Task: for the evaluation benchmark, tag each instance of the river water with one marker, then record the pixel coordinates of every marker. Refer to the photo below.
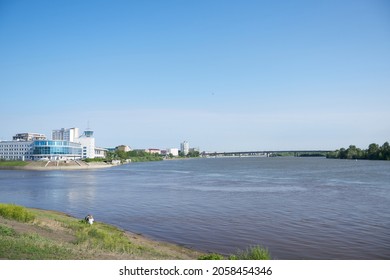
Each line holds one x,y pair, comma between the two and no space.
299,208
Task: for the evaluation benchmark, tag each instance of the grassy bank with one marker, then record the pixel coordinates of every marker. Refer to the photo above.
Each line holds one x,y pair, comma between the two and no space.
47,235
11,163
40,234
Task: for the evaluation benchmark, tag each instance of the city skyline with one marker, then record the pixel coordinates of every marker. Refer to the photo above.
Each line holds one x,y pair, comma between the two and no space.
224,75
73,135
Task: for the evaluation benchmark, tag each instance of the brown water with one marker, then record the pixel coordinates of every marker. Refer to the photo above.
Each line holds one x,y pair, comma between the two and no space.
300,208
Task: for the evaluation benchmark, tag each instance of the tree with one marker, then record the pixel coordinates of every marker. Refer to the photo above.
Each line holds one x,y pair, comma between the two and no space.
352,152
193,154
385,149
373,151
342,153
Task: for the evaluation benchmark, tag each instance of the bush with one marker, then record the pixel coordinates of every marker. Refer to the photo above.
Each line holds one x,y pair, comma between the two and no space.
95,160
252,253
7,231
103,238
15,212
212,256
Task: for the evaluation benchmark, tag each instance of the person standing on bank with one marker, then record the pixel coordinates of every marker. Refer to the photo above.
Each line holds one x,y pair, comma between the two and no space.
89,219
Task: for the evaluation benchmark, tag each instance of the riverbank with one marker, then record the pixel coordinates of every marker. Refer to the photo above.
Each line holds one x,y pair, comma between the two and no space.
52,165
43,234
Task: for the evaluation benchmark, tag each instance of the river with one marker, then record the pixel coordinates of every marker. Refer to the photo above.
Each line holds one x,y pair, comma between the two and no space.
299,208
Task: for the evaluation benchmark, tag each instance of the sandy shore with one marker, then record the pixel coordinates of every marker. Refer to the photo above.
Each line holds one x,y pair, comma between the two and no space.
58,165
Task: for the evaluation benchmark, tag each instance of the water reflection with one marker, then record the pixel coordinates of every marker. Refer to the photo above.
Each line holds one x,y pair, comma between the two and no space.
82,191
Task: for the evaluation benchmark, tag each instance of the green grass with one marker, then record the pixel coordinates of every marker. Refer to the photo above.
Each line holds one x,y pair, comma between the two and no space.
32,247
104,237
10,163
252,253
212,256
15,212
29,246
54,235
99,236
6,231
88,239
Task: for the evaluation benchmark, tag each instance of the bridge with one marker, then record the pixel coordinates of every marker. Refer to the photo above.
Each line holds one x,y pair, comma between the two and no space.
295,153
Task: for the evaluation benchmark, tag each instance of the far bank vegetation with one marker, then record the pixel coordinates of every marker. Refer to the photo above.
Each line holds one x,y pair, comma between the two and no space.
134,156
138,156
373,152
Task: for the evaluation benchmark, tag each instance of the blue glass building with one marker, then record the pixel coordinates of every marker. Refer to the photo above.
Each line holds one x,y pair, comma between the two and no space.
55,150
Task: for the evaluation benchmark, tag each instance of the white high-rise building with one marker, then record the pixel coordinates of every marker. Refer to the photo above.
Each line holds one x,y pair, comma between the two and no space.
185,148
66,134
87,142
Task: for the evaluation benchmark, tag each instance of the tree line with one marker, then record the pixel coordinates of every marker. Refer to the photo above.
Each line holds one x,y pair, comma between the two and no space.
137,155
124,156
374,152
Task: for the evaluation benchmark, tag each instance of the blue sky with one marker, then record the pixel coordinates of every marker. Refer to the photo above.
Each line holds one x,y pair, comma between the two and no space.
223,75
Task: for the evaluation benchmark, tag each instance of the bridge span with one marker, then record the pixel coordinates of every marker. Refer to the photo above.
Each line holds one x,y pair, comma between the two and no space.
295,153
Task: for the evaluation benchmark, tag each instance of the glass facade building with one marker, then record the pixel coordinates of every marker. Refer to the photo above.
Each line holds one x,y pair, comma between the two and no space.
55,150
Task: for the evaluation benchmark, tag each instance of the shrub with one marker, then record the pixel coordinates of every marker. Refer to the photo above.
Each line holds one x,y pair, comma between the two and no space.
15,212
252,253
212,256
103,238
95,160
7,231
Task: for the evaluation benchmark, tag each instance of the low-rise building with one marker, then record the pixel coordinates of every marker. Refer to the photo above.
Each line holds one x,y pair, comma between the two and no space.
123,148
173,151
28,136
153,151
16,150
100,152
